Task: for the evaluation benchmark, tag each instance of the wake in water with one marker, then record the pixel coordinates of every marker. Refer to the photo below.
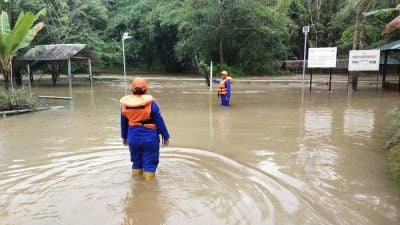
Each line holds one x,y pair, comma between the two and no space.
95,186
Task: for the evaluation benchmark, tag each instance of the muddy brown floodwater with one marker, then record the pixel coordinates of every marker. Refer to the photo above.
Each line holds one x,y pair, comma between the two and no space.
276,156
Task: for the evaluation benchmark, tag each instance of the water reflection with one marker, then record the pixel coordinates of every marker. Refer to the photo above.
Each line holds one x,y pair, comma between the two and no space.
318,123
358,123
224,123
272,158
143,203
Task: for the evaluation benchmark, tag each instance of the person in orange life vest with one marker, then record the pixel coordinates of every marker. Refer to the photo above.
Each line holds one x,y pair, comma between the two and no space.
141,125
224,89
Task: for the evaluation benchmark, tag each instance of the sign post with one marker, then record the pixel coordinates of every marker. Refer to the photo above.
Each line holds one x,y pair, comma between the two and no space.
306,29
211,75
124,37
365,60
322,58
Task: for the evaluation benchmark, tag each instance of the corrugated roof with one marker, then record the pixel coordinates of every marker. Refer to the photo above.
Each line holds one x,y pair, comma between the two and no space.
390,61
58,52
395,45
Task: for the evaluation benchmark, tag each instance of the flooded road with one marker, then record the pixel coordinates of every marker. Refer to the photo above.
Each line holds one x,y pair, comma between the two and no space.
276,156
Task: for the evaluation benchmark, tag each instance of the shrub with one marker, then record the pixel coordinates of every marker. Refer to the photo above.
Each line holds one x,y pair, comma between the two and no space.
394,157
393,144
14,99
232,71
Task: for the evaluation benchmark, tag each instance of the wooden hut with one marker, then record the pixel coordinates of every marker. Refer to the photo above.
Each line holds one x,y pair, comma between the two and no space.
60,52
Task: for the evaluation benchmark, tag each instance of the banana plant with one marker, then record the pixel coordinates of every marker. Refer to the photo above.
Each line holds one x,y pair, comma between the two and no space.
12,40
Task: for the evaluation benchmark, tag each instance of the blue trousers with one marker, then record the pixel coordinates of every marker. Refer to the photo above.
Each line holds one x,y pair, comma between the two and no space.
224,100
145,153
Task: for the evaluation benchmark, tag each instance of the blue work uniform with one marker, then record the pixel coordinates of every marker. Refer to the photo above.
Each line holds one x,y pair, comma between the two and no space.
143,141
224,91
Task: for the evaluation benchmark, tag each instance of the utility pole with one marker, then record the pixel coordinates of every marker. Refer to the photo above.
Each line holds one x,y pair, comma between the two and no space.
124,37
306,29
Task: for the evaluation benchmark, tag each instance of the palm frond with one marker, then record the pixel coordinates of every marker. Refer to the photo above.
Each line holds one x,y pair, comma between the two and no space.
392,25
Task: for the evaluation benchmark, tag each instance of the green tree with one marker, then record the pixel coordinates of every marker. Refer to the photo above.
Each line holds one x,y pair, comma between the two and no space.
19,37
319,15
79,21
250,36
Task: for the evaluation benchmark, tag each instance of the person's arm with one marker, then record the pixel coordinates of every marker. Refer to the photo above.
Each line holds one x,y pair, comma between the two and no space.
217,81
228,88
159,121
124,129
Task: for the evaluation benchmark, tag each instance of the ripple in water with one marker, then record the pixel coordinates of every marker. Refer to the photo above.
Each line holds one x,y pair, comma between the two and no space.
95,186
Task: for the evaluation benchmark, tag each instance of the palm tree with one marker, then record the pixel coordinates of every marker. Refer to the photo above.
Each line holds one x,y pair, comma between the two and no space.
19,37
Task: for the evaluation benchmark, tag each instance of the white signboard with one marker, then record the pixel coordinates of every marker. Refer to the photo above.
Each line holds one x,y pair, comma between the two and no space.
364,60
322,57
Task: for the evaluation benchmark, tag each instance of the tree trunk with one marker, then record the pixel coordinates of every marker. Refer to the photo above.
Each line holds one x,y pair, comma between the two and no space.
357,28
6,75
357,41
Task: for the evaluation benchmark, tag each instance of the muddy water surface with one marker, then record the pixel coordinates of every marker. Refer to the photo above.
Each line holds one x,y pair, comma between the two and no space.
276,156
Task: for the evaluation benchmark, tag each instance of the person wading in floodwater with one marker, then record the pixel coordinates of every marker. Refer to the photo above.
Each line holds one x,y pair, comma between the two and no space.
141,124
224,89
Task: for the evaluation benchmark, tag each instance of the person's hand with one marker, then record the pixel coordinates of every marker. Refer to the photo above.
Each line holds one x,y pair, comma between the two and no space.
124,142
165,143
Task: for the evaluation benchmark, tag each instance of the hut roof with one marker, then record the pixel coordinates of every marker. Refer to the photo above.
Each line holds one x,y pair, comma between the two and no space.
59,52
395,45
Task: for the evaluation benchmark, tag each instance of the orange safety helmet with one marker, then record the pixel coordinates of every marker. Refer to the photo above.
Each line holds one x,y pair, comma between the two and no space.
139,85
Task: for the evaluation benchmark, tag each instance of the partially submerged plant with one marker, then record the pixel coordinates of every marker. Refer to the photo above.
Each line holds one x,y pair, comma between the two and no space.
14,99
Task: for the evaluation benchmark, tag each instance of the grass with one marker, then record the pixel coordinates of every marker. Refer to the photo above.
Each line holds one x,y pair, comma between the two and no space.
393,144
15,99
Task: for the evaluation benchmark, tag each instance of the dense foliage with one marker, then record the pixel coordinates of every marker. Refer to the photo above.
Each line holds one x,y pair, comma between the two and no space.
251,36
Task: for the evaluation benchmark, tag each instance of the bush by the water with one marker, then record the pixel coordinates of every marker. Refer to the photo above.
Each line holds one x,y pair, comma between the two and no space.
14,99
394,144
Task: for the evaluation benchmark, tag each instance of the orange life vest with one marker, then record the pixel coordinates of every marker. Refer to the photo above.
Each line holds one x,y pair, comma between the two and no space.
222,88
137,109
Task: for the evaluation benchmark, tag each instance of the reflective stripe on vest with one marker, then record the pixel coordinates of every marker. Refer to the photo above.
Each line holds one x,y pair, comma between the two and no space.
137,109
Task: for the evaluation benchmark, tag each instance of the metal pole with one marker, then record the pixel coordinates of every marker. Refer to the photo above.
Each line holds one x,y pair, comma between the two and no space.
310,78
304,57
211,77
123,56
306,29
125,36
